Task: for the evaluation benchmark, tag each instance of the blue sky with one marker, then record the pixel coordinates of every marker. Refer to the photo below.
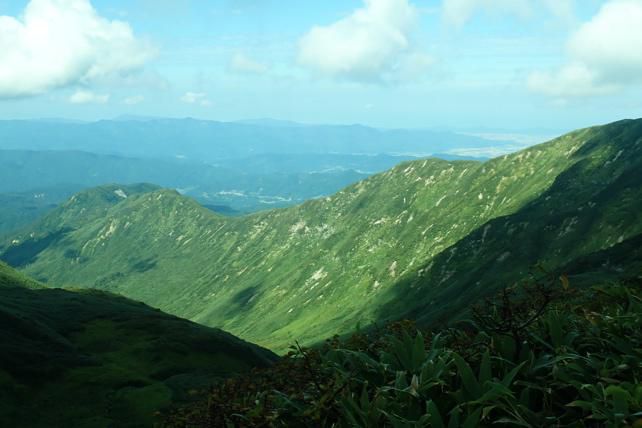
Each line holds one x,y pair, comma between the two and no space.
459,64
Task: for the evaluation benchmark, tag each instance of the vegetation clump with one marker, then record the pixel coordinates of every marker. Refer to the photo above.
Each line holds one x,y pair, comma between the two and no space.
540,354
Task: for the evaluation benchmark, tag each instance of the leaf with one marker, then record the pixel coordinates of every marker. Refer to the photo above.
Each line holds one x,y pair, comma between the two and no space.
496,390
555,331
436,421
485,373
414,386
467,377
472,420
564,281
353,413
620,399
508,379
486,411
454,418
364,400
418,352
584,405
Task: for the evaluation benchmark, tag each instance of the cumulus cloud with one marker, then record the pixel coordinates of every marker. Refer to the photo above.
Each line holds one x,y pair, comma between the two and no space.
88,97
562,9
371,44
604,54
458,12
57,43
133,100
241,63
199,98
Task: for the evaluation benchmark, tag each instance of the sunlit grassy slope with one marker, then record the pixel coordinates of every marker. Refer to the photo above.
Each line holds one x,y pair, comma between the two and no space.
88,358
423,239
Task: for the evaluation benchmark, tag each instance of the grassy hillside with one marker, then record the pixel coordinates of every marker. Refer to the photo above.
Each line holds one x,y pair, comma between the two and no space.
423,240
10,277
88,359
20,209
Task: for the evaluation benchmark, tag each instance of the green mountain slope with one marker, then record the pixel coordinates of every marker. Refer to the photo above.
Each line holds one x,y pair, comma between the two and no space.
422,239
109,360
78,210
19,209
10,277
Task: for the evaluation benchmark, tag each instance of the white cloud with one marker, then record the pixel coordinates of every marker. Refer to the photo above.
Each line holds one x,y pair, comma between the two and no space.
57,43
458,12
562,9
604,54
241,63
371,44
571,80
199,98
133,100
88,97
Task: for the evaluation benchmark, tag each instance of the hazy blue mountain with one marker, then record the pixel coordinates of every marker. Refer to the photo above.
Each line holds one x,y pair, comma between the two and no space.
211,141
27,178
32,182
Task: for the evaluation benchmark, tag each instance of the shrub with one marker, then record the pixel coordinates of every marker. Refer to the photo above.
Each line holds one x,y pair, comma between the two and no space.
541,354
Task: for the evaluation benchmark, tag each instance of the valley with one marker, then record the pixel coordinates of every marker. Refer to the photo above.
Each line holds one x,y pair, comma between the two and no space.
361,214
422,240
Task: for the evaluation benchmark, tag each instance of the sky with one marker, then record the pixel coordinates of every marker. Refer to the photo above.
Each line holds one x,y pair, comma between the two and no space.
452,64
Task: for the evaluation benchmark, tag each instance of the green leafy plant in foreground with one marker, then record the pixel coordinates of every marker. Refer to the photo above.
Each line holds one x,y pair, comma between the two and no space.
541,354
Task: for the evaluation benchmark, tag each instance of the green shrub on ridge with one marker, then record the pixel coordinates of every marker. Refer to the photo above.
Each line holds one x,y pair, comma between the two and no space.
579,363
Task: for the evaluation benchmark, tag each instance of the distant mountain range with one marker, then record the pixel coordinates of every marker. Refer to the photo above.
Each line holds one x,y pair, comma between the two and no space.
422,240
233,167
32,182
209,141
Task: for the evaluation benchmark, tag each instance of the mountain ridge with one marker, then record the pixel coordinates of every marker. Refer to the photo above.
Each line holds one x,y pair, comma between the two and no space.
380,248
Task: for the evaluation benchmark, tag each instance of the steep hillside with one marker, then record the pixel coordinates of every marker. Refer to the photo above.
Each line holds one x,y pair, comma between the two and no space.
109,360
423,239
77,211
10,277
20,209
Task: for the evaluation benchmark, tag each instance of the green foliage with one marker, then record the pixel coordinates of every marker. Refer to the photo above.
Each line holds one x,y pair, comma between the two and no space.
580,365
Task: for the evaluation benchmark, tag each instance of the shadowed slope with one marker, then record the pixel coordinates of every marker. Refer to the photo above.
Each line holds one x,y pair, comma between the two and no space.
94,359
